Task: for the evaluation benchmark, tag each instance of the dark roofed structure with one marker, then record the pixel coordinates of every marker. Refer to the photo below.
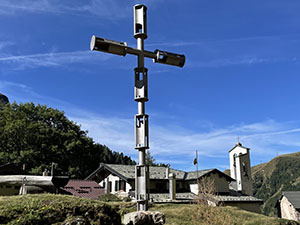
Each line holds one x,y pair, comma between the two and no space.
293,197
84,188
288,205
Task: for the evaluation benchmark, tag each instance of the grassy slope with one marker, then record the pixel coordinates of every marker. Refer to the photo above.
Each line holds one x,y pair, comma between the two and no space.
55,209
280,174
184,215
58,209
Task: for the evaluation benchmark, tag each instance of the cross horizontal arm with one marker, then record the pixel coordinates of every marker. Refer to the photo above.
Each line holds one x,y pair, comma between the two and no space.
121,48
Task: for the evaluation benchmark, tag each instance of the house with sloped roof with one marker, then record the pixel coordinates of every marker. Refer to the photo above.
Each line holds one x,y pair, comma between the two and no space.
84,188
115,178
288,206
172,185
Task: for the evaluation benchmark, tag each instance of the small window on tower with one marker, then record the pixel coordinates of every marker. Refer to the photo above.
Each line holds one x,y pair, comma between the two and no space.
234,160
245,169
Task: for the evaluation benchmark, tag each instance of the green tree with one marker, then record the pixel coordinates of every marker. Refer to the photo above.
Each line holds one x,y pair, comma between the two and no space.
37,135
150,161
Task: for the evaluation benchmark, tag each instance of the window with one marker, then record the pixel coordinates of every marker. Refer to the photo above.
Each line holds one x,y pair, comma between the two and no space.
103,185
110,186
245,169
116,185
234,160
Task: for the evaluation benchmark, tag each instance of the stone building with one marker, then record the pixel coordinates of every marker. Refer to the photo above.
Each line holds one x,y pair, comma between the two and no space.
288,206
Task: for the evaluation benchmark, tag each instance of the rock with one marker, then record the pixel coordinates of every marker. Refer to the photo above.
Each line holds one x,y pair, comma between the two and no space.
144,218
77,220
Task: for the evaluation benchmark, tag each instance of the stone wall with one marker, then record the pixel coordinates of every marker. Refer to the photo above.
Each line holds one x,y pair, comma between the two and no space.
288,211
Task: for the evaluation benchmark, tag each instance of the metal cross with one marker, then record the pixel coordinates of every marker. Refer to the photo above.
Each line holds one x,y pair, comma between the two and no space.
140,92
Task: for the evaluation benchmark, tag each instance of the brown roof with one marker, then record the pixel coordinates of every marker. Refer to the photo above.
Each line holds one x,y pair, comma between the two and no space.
84,188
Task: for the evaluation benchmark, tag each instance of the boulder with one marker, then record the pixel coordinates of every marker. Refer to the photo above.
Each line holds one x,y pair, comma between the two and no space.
144,218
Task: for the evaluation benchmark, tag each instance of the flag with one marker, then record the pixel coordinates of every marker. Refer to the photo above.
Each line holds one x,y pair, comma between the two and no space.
195,161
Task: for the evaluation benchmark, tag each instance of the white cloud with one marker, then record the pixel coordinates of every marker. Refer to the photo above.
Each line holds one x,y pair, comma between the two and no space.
4,44
52,59
172,145
109,9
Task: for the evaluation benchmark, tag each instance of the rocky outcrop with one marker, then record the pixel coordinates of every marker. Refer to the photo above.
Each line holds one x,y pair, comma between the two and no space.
144,218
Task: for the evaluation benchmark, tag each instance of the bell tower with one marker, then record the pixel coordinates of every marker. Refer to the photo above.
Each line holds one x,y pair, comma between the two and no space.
240,168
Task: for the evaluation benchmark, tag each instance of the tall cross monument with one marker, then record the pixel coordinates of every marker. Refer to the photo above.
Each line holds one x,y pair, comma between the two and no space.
140,92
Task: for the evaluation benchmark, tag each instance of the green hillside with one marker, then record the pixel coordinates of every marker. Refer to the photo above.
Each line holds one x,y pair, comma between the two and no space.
270,179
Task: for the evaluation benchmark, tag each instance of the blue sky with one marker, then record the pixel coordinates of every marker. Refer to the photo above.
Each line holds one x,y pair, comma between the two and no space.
241,77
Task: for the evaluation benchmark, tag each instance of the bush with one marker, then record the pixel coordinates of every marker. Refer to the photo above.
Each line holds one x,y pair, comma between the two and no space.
109,198
55,209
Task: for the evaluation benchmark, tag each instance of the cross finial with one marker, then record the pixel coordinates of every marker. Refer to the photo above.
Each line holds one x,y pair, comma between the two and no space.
238,139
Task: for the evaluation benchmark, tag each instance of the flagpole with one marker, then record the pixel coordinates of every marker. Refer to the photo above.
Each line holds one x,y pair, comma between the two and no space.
197,165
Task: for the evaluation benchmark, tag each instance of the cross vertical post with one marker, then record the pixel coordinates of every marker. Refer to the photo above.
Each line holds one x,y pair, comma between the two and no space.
141,119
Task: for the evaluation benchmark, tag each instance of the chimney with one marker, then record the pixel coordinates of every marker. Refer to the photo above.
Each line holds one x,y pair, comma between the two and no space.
167,171
107,186
172,186
45,173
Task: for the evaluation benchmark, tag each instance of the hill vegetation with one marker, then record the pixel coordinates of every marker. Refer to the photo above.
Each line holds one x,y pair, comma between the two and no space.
37,135
270,179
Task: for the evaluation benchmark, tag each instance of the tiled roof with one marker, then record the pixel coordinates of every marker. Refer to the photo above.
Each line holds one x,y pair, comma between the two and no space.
227,198
156,172
193,175
240,145
293,197
84,188
165,197
189,196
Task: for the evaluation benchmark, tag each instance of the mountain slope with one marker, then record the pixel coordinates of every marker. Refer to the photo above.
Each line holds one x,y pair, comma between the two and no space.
280,174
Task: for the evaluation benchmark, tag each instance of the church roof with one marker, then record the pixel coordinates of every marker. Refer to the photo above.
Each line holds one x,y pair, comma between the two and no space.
126,172
193,175
240,145
293,197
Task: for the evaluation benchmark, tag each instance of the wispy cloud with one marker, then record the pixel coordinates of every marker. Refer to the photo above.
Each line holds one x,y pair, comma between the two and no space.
52,59
241,60
203,42
103,8
4,44
264,138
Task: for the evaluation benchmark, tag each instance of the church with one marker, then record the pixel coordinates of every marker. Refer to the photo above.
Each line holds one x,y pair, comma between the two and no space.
171,185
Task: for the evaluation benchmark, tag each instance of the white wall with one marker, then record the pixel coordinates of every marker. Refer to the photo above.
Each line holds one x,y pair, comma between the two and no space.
242,157
287,210
111,178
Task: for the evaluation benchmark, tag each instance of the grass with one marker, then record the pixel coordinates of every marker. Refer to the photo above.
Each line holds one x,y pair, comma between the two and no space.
184,214
59,209
55,209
